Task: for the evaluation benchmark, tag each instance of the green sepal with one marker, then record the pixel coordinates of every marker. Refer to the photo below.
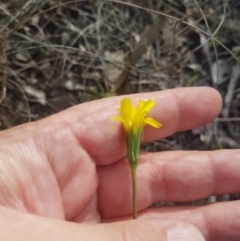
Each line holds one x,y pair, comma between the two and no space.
133,144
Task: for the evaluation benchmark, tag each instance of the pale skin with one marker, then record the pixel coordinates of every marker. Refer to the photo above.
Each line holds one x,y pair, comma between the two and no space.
72,166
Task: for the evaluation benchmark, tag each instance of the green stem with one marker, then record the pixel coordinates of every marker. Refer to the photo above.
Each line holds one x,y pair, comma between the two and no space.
134,190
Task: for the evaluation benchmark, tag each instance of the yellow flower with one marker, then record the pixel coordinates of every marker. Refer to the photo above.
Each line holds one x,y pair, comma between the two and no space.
134,118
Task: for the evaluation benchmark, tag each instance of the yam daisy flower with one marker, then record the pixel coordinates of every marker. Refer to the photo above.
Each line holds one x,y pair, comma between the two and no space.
134,120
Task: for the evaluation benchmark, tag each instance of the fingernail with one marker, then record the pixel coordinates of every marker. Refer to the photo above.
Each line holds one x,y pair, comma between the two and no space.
184,232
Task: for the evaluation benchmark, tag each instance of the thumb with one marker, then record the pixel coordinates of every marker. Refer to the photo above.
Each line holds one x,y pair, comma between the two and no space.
145,229
32,227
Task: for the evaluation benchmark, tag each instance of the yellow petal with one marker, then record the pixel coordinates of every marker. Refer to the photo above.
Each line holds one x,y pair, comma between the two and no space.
127,109
125,125
152,122
147,106
116,118
143,108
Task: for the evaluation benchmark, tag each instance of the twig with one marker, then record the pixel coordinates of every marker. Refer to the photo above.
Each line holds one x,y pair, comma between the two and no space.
231,87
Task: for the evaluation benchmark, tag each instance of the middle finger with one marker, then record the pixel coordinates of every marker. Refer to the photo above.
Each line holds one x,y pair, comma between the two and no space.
170,176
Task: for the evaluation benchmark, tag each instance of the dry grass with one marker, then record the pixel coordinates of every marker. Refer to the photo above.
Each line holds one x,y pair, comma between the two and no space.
56,54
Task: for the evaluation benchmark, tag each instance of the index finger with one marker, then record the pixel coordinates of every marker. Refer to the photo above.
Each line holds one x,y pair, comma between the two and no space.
177,109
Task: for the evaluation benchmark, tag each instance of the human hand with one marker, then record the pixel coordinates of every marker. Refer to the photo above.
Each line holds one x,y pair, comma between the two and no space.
72,167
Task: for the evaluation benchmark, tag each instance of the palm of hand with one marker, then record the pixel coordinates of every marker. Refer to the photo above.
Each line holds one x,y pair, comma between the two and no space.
72,165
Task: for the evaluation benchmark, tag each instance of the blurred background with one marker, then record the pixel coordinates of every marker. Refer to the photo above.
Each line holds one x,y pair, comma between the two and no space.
56,54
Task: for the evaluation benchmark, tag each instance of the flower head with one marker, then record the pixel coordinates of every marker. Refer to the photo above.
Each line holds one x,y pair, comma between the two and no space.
134,118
